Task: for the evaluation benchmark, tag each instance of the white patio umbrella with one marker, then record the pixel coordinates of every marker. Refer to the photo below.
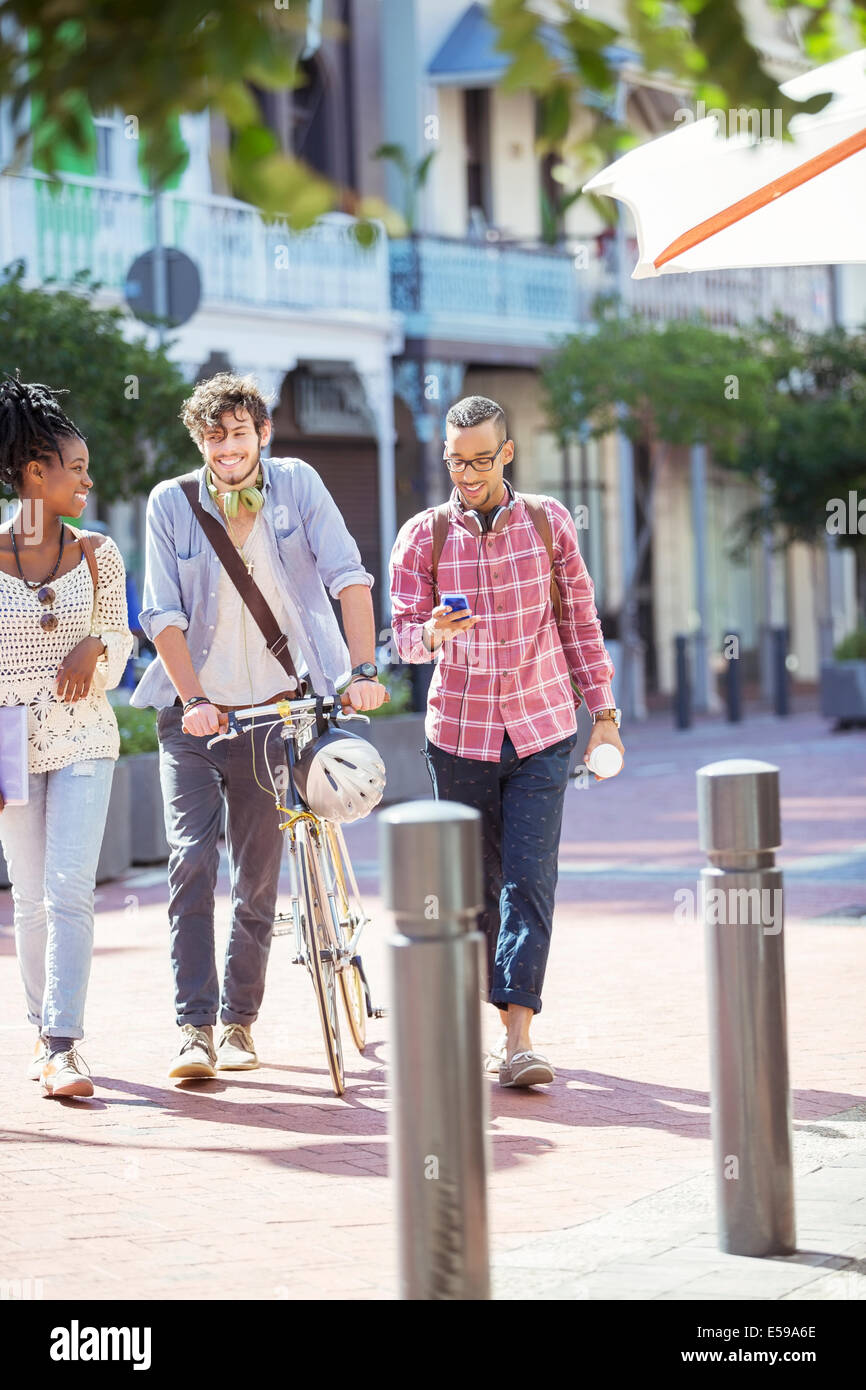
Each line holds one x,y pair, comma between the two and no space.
703,200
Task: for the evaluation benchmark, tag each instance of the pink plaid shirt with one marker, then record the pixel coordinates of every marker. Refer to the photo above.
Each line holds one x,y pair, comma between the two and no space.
512,672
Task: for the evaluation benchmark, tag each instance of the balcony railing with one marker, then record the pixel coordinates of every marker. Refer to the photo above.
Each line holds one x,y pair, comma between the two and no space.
502,294
100,227
733,298
463,290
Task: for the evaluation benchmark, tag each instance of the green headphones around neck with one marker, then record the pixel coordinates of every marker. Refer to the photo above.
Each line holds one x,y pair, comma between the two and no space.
252,497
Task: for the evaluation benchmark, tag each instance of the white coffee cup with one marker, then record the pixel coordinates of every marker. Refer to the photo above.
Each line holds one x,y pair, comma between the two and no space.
605,760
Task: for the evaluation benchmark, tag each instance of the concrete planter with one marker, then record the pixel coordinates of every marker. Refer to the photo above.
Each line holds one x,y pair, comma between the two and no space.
400,740
131,821
115,857
843,691
149,844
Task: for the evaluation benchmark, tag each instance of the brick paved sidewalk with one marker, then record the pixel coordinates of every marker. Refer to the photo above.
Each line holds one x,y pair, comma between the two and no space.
264,1186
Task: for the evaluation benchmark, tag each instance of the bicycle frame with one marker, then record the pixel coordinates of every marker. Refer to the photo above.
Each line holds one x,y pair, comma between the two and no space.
325,902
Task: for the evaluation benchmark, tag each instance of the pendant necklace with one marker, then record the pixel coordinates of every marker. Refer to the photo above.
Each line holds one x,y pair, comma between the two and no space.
38,583
238,548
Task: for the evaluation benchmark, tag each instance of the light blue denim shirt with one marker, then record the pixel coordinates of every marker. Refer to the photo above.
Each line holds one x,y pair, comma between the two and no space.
311,548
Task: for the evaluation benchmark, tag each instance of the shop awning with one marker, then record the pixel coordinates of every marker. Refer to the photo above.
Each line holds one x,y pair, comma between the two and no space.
468,56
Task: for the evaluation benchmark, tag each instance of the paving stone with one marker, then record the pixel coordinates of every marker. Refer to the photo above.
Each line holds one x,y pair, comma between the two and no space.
602,1182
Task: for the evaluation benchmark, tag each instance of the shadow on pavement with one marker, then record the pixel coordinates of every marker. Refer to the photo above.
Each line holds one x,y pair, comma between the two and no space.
593,1099
201,1101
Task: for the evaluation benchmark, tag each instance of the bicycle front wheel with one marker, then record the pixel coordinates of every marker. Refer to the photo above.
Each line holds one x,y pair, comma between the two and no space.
349,914
321,952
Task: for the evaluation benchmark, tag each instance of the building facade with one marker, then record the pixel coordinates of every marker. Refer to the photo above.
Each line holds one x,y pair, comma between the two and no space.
494,274
308,314
363,349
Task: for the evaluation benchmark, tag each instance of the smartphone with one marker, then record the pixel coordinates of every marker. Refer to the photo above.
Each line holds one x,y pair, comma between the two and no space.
456,602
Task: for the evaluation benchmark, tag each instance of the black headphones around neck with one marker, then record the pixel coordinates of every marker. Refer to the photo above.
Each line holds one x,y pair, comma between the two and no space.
496,520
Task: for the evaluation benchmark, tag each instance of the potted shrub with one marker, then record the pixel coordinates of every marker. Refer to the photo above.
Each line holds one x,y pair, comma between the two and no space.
115,856
398,735
843,681
135,828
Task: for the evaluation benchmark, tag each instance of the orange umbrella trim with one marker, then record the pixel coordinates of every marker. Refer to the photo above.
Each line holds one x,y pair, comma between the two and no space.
762,196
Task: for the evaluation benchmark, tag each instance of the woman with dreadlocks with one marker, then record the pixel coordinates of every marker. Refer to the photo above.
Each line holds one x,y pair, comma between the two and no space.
64,641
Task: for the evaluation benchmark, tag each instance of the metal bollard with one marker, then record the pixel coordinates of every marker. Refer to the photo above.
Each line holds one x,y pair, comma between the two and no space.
733,684
431,881
739,827
683,694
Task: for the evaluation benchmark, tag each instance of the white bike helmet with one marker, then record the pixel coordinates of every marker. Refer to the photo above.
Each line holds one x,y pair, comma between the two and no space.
340,776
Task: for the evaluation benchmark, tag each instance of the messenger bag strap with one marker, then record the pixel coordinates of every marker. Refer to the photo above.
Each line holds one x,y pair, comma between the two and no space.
275,639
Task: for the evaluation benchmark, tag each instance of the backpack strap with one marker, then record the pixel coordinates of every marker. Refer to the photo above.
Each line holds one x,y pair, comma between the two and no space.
539,518
441,522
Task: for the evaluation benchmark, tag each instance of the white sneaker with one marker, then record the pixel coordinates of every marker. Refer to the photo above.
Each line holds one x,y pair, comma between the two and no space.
40,1057
62,1075
236,1050
497,1055
196,1057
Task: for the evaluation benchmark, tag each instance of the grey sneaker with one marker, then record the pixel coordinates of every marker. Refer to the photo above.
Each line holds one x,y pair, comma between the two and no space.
196,1057
63,1074
236,1050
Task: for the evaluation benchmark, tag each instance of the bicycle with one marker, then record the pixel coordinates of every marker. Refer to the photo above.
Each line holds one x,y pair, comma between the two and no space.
326,914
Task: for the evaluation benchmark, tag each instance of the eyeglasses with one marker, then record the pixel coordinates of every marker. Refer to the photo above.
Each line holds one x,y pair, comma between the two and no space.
47,621
482,465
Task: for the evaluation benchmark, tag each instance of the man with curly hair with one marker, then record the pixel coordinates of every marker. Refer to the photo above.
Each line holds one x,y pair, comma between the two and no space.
212,658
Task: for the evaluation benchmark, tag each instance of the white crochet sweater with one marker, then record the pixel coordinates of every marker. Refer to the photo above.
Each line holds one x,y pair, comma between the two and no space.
62,733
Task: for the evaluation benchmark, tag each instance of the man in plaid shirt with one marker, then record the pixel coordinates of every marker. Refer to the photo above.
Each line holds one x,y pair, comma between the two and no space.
501,722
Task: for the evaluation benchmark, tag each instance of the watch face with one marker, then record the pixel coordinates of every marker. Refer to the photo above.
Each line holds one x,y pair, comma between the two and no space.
367,668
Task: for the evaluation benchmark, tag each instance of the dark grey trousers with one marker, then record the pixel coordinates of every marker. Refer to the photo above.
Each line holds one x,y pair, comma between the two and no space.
198,786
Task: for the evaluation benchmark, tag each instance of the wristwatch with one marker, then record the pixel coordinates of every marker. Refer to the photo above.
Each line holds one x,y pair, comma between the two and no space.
368,669
99,637
614,714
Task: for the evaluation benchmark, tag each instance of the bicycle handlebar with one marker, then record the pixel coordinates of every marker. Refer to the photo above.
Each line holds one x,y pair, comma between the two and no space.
285,709
304,706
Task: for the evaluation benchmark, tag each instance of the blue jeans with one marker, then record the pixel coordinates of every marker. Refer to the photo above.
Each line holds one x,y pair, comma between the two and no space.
520,800
199,786
52,849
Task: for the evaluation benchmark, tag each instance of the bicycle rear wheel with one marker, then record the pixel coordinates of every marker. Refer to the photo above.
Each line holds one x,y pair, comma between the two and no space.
321,950
350,914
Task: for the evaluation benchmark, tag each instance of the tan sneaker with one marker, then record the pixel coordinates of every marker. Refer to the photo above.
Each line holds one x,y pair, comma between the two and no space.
62,1075
40,1057
196,1057
236,1050
526,1069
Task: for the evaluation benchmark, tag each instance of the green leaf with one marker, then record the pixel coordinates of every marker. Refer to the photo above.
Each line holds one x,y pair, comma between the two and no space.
398,155
423,167
555,115
238,104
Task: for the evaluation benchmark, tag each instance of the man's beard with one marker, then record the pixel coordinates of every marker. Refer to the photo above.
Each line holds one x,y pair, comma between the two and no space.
249,478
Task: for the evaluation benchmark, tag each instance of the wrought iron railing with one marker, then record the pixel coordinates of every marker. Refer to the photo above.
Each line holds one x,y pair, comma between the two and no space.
97,226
